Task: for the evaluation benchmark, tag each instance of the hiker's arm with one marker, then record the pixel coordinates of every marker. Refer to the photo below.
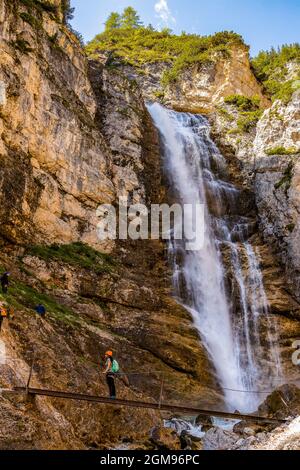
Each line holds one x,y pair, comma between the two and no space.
107,368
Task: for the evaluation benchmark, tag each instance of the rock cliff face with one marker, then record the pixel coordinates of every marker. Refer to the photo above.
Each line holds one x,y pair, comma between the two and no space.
277,183
76,134
48,127
273,179
200,89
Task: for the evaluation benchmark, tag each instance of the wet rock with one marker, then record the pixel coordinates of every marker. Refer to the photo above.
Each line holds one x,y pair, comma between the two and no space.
244,444
250,429
285,437
219,439
165,438
186,441
282,403
205,422
190,442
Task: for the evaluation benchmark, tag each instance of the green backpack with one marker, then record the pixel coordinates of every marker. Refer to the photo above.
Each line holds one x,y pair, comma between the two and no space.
115,366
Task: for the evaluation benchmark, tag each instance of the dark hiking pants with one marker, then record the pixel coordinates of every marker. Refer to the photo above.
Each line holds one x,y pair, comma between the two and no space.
111,385
4,288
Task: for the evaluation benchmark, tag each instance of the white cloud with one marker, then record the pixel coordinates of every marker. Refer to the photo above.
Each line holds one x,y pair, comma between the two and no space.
163,11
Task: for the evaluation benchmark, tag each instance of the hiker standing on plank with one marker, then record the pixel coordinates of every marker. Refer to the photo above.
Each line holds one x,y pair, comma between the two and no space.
111,368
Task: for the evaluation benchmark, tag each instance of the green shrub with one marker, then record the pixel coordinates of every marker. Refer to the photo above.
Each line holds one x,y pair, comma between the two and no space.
291,227
282,151
46,6
286,180
223,111
40,5
76,254
248,120
34,22
140,44
243,103
159,94
270,68
22,46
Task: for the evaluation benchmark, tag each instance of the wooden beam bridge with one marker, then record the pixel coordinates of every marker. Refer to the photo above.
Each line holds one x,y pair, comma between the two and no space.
148,405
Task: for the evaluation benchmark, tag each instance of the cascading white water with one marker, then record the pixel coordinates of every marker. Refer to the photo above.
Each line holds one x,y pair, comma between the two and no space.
195,168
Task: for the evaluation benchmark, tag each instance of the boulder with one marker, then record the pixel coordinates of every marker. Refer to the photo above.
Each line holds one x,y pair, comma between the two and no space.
205,422
165,438
282,403
219,439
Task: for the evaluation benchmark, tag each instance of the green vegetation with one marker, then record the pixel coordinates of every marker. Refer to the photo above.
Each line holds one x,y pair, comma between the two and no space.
22,46
270,67
67,11
40,6
249,112
21,295
282,151
226,114
68,15
291,227
76,254
248,120
36,8
127,39
286,179
32,20
159,94
243,103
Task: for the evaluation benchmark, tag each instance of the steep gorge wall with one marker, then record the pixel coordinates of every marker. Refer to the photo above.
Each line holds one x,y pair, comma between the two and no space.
75,135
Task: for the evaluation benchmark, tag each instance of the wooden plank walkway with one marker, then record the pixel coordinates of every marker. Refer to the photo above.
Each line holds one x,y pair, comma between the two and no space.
153,406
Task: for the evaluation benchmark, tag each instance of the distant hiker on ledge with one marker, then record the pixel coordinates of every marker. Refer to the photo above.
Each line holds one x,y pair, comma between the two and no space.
5,282
111,368
40,310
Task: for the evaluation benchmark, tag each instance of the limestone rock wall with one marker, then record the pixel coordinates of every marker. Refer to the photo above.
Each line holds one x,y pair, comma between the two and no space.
277,184
201,88
75,135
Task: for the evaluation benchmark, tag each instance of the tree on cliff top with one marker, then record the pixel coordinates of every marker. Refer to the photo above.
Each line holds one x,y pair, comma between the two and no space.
129,40
67,11
271,68
113,21
131,19
128,20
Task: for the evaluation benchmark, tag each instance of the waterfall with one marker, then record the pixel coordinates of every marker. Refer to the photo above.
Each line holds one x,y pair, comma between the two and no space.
226,303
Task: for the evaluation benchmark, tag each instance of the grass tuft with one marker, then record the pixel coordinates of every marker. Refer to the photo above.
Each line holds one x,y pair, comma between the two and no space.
76,254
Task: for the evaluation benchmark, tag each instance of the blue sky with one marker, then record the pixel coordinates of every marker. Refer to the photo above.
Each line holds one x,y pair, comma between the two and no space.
262,23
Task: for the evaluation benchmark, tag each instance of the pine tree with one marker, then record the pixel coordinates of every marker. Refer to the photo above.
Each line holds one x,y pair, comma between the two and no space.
113,21
67,11
131,19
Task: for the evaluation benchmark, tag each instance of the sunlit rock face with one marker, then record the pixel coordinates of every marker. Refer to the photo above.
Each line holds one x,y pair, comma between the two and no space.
277,183
75,135
71,140
200,89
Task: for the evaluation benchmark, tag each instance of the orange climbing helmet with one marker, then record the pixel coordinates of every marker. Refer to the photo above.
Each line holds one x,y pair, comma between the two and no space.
109,353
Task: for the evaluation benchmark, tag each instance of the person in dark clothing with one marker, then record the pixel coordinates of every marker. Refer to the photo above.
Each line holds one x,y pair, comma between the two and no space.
109,372
5,282
40,310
